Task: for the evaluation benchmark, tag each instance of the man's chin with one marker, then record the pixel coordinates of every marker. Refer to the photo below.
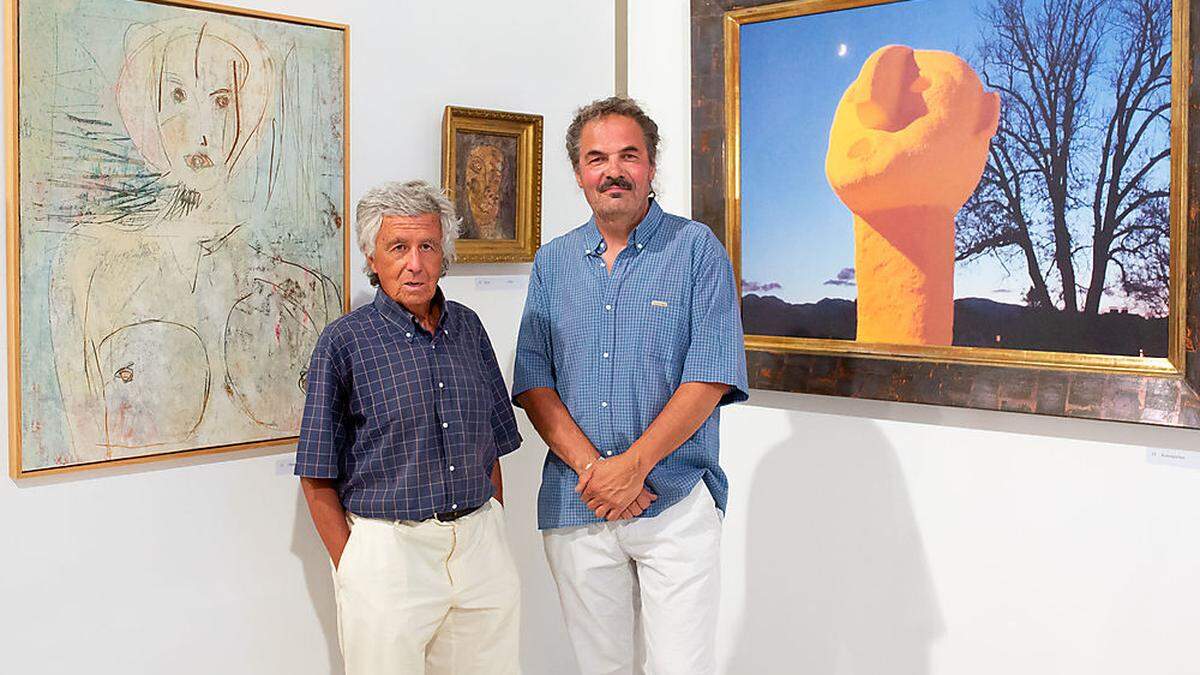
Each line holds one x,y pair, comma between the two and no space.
608,208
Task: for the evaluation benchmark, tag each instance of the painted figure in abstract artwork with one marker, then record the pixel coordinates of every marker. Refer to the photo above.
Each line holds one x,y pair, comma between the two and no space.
906,150
174,321
485,176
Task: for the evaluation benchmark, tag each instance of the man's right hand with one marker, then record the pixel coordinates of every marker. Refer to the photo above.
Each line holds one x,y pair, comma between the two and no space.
327,515
632,510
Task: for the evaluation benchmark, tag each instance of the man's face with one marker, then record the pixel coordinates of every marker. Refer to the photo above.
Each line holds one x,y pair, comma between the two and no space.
408,259
614,168
485,166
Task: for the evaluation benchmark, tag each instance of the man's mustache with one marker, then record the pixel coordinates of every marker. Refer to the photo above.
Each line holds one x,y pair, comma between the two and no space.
619,181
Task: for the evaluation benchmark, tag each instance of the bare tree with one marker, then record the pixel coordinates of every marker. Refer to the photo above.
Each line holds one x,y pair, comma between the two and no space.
1143,258
1140,116
1056,157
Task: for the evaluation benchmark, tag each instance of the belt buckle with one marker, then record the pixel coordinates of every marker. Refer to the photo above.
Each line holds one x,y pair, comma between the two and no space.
451,516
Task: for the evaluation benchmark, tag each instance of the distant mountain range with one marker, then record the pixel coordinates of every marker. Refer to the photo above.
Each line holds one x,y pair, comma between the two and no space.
977,323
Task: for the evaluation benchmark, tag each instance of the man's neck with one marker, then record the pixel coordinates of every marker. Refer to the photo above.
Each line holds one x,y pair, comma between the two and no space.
426,315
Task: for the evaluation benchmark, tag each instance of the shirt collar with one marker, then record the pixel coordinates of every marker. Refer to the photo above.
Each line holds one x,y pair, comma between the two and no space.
639,237
396,313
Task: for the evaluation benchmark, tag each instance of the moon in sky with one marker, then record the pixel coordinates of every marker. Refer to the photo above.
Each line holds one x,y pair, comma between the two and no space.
842,49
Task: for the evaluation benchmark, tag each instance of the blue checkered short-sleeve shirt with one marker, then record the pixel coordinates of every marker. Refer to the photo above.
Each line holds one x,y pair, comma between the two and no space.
617,345
409,424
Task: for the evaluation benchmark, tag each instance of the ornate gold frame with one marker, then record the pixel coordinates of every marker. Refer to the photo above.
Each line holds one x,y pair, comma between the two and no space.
1172,366
11,68
527,129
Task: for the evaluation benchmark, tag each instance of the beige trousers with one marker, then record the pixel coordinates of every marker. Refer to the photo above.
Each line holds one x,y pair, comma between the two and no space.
429,597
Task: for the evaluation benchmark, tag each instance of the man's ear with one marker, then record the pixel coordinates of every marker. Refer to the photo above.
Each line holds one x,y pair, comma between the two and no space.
578,178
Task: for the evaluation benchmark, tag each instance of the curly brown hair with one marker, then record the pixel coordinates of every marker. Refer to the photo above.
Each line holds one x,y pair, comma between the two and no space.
613,105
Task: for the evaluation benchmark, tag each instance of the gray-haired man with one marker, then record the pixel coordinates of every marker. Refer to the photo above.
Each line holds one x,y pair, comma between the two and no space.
406,418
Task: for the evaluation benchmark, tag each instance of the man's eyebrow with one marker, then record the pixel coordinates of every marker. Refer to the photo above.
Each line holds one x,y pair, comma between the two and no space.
172,77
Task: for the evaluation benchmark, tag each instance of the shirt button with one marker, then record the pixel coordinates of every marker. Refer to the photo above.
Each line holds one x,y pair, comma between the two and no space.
606,355
445,425
451,467
408,335
609,453
454,506
639,247
603,404
441,385
608,308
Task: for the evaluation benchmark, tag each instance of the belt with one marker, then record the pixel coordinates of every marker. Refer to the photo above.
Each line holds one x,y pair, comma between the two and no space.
450,516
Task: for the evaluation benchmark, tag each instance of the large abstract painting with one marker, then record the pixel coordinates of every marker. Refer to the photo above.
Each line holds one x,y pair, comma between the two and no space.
968,202
177,241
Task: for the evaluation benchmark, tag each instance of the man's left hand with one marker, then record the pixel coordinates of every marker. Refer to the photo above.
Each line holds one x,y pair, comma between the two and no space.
608,487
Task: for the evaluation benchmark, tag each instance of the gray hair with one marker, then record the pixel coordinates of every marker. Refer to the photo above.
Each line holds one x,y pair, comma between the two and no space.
613,105
413,198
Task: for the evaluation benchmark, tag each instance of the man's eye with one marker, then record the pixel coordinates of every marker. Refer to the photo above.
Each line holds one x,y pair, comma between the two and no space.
426,247
179,95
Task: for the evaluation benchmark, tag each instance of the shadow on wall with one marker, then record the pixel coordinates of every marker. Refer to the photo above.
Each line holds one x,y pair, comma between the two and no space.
318,579
836,575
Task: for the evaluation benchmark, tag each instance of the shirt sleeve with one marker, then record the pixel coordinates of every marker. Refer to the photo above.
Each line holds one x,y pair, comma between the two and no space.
535,360
323,430
717,352
504,423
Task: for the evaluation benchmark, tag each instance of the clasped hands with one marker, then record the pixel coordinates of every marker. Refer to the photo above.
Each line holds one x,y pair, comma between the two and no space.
615,488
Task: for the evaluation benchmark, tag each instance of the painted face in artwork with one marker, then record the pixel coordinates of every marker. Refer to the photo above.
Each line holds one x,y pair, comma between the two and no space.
193,96
198,114
485,173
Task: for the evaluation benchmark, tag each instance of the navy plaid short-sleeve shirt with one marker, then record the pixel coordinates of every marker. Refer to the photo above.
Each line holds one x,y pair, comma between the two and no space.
408,424
617,345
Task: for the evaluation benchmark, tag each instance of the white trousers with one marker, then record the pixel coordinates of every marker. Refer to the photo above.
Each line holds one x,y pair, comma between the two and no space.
429,597
670,563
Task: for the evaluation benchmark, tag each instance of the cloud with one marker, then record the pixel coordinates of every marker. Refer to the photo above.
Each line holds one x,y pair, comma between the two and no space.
843,278
755,287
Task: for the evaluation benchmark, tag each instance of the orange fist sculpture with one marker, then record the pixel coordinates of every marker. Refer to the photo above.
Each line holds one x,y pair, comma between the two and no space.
907,148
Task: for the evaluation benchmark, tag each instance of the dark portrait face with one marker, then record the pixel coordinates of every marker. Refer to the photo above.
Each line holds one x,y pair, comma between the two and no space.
485,172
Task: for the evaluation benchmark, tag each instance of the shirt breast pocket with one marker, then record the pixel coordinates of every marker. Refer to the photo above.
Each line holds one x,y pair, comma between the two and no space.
665,328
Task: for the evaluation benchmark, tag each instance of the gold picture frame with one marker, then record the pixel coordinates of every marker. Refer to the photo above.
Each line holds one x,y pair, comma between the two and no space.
492,171
263,141
1146,389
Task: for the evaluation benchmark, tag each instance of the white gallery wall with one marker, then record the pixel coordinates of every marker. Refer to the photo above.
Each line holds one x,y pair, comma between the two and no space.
872,538
862,537
210,565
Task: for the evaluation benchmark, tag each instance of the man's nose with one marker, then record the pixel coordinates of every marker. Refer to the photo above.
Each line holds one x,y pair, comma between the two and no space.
203,141
412,263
